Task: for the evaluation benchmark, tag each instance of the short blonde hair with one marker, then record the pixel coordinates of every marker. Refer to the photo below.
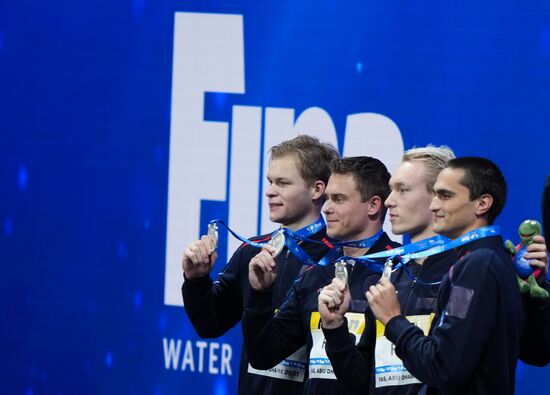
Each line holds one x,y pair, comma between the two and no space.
434,158
313,157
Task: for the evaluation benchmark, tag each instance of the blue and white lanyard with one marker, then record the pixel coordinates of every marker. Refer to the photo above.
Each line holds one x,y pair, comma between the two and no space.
290,236
423,249
420,249
336,251
476,234
362,243
302,234
368,260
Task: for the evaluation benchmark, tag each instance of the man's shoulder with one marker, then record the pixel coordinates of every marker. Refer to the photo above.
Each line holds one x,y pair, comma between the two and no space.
487,258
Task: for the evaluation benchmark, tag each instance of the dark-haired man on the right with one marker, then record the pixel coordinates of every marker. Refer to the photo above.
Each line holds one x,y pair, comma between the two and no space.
474,341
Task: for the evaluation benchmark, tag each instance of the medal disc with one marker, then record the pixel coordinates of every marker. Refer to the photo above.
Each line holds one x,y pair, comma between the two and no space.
277,242
341,271
387,269
213,236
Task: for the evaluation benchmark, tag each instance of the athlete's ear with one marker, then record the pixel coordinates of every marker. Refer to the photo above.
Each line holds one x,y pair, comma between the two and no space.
375,205
318,190
484,203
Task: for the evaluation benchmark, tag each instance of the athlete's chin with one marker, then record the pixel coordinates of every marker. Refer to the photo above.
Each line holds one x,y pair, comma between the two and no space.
334,235
277,217
333,232
440,230
399,229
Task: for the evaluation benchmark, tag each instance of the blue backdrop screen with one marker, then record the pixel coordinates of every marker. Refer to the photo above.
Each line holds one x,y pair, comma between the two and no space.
127,125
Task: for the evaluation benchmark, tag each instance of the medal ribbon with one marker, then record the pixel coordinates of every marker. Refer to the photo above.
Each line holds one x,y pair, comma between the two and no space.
422,249
378,267
290,236
477,234
338,248
237,236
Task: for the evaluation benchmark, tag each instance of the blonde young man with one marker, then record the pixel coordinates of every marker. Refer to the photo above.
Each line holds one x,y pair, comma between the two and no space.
298,173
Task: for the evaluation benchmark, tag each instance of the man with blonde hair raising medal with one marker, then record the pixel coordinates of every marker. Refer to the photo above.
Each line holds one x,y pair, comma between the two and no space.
298,173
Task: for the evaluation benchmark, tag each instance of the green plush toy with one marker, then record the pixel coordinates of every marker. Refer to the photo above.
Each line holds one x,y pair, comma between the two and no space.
527,277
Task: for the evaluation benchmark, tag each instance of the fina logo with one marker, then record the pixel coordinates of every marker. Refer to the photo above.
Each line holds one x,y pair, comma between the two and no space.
314,227
207,162
399,251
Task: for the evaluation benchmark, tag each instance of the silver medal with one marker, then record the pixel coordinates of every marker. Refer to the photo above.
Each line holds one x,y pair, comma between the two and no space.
387,269
277,242
213,236
341,271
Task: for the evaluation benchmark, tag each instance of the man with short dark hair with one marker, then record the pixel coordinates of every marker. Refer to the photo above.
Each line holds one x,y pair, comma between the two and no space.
298,173
354,212
474,340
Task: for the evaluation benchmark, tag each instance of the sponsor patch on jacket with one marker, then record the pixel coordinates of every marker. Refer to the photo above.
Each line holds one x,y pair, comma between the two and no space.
459,302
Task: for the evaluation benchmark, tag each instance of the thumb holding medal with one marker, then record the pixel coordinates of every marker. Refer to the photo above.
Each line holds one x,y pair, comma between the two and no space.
383,300
262,270
334,301
200,256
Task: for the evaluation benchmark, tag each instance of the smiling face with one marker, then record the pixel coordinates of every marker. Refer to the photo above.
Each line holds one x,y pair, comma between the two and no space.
290,198
455,213
347,215
409,201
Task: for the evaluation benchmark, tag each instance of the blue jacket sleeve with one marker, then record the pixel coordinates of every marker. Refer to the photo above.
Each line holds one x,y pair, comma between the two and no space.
269,338
352,364
447,357
215,307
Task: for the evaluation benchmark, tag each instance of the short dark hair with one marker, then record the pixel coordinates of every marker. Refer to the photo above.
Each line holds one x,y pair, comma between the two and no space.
313,157
481,176
370,174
